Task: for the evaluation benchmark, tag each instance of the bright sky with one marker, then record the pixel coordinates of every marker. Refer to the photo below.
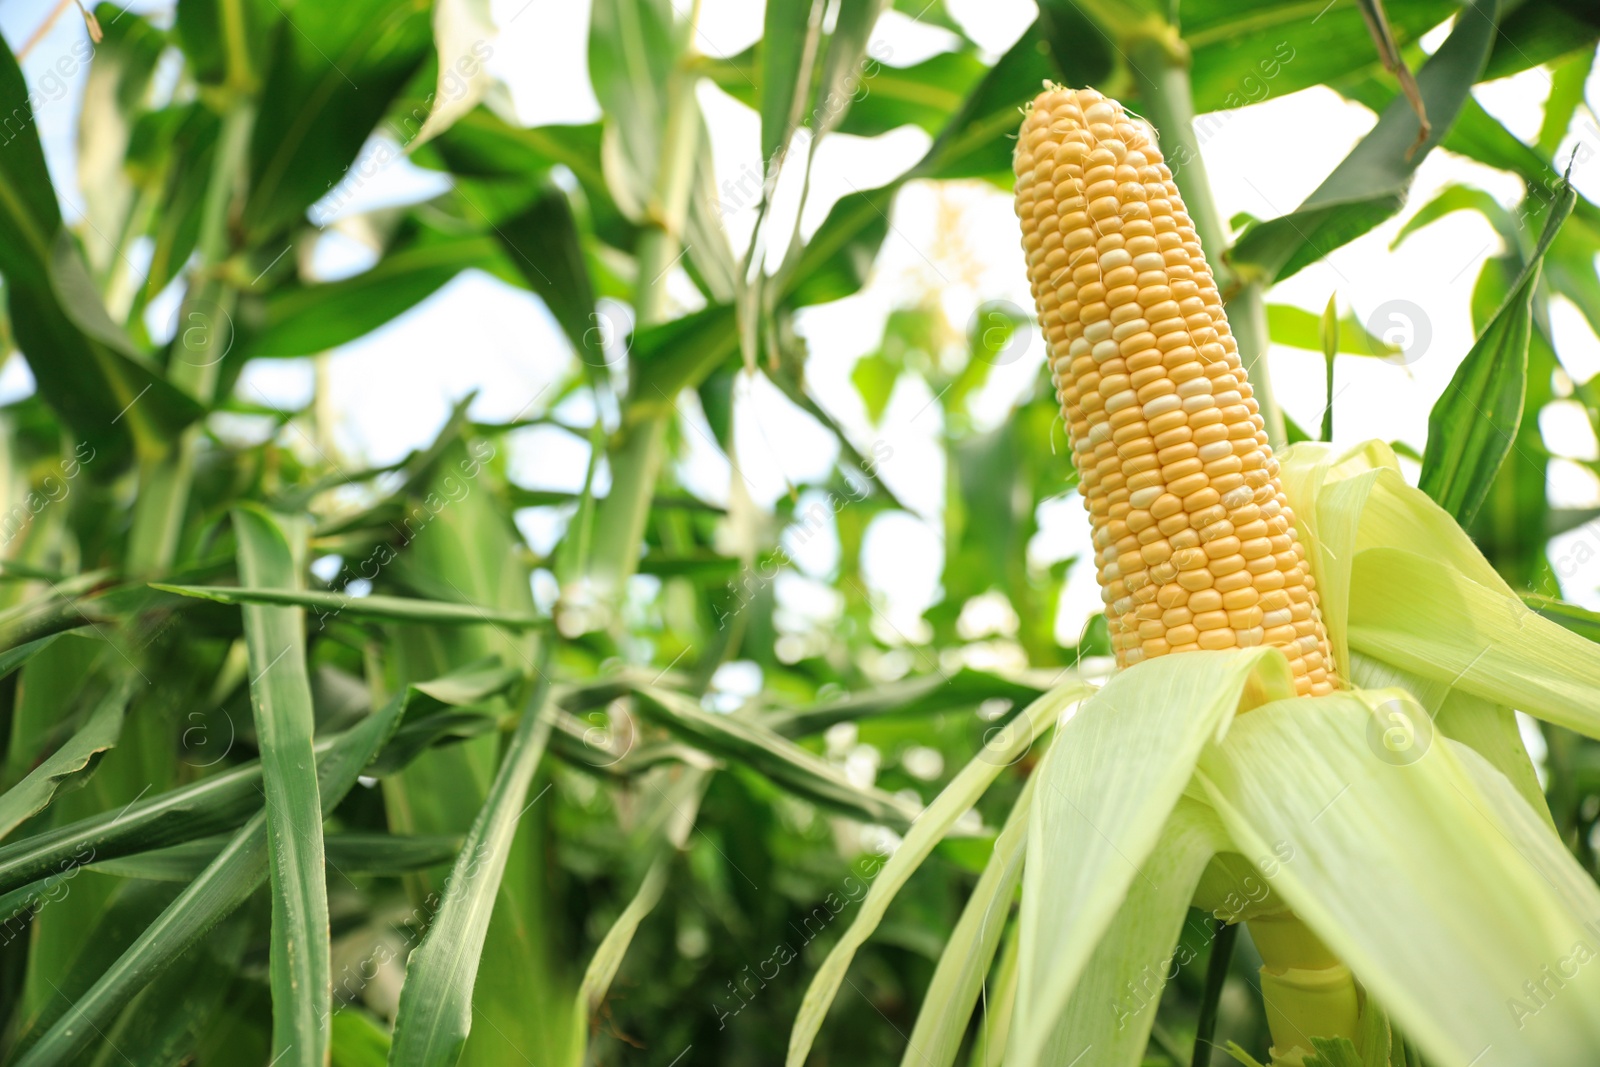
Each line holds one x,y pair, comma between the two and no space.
394,387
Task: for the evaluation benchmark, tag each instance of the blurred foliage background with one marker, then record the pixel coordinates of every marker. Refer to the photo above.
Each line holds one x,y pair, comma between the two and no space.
624,789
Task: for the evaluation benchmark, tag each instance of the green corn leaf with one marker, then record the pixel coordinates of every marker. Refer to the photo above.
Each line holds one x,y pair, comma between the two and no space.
226,41
302,320
1300,328
122,912
607,958
678,355
790,40
964,964
924,94
31,866
847,70
931,827
359,1040
543,242
1472,427
1098,813
377,608
164,1023
13,658
233,877
85,367
838,259
914,696
1538,33
746,744
1370,184
280,697
333,72
98,733
386,855
1455,198
994,1029
1580,621
1330,349
436,1009
1428,876
671,819
631,61
977,141
119,79
1244,55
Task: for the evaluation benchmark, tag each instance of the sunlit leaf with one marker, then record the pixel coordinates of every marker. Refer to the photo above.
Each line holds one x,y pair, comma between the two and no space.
1370,184
1097,816
956,798
1429,877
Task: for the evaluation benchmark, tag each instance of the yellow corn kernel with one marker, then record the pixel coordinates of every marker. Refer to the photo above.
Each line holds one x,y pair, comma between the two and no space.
1197,544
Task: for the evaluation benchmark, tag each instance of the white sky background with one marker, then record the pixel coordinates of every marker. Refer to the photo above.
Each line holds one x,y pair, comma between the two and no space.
394,388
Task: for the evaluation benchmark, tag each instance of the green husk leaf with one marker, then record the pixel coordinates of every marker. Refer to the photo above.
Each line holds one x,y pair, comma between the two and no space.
1098,812
947,1005
930,827
1114,1004
1426,874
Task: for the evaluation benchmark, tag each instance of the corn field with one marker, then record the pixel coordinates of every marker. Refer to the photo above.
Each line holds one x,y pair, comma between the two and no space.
676,532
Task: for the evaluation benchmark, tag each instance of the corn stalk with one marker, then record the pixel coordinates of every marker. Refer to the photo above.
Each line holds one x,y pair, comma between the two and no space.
204,334
640,444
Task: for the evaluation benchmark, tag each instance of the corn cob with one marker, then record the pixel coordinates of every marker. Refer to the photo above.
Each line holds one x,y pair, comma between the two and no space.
1194,539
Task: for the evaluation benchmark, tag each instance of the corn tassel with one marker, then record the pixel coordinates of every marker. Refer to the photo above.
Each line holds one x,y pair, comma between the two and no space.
1194,539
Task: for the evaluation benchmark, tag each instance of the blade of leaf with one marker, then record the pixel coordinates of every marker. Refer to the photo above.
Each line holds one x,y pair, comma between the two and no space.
1407,609
334,71
786,763
791,34
236,874
280,700
994,1030
931,826
32,795
1330,348
1567,81
964,964
1299,328
378,607
1098,813
303,320
462,32
435,1013
1472,427
1370,184
543,242
1114,1005
226,799
86,369
1434,884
